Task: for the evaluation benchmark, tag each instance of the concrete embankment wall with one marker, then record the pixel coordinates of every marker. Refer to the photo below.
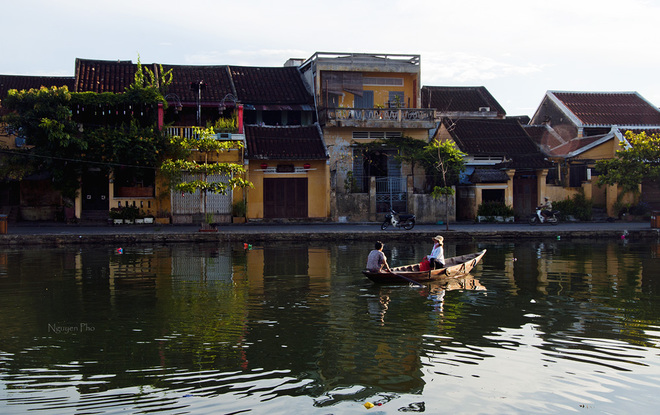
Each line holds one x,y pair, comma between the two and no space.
10,240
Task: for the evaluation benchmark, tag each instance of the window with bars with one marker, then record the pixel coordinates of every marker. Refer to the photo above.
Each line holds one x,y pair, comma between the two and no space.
374,135
377,81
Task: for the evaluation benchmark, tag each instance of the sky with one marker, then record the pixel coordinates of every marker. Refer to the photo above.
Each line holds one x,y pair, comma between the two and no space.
517,49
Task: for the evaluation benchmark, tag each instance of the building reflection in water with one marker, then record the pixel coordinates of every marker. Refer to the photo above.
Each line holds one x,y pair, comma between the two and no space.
304,311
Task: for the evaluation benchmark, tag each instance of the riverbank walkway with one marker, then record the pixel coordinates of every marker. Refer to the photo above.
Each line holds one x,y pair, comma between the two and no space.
58,233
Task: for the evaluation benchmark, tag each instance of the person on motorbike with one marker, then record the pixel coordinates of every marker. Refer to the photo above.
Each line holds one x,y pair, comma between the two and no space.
546,208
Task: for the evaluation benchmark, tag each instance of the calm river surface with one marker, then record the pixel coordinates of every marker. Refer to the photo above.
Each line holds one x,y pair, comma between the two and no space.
547,326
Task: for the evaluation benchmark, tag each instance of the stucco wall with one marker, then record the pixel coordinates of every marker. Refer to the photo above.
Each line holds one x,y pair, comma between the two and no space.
354,207
430,210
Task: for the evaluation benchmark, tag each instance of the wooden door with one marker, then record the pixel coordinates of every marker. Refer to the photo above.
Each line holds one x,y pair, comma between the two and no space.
525,194
285,198
95,190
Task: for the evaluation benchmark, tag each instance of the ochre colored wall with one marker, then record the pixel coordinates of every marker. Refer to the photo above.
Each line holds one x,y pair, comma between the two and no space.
318,190
381,92
607,150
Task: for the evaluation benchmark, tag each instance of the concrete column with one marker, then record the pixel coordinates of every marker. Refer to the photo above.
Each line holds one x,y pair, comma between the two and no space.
111,189
508,193
541,176
410,183
477,200
611,193
77,204
329,194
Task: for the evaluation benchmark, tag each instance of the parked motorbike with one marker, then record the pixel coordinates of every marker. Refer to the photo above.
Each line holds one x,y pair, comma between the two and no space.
537,218
397,220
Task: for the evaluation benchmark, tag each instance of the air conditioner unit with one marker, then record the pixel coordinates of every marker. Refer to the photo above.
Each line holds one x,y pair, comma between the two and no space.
484,109
223,136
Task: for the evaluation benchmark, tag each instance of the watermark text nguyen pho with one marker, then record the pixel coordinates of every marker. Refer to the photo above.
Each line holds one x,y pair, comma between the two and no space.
67,329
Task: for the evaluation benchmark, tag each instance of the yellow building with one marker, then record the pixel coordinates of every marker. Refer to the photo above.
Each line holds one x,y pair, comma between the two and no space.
575,162
362,98
576,129
288,168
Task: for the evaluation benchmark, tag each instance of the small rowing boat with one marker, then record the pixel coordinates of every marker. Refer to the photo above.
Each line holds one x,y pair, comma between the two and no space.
454,267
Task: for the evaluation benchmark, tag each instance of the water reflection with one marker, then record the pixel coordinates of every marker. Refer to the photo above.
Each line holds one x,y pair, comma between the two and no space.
293,327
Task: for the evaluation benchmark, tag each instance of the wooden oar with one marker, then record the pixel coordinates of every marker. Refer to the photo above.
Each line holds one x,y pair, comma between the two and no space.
407,279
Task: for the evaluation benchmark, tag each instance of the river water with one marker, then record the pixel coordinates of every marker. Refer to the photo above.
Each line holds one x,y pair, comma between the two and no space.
548,326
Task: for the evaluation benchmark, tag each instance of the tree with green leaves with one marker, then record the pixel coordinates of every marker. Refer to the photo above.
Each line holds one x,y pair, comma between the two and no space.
207,145
409,150
637,160
448,162
59,143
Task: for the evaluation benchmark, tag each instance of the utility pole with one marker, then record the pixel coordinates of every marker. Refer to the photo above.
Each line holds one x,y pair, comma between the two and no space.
198,87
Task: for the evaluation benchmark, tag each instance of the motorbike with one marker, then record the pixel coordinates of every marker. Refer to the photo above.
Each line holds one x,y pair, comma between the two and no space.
537,218
397,220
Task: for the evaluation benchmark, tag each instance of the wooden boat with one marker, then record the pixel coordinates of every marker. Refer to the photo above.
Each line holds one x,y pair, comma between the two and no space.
454,267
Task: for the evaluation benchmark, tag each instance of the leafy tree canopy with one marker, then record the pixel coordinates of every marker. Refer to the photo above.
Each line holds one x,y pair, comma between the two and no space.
446,160
637,160
56,142
61,139
206,145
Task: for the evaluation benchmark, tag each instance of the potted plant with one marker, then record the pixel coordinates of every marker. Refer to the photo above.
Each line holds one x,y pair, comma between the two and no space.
208,224
238,212
148,218
130,213
116,216
495,212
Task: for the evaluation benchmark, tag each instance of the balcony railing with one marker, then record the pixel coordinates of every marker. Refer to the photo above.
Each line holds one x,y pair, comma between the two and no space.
376,115
191,132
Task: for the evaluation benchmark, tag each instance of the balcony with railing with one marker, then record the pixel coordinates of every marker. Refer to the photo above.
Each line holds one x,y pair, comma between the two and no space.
378,117
193,132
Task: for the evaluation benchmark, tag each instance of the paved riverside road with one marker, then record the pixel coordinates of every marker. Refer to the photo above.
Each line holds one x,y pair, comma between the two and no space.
28,233
28,228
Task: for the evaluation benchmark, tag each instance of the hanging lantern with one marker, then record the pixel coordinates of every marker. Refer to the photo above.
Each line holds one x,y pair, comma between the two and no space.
264,166
307,166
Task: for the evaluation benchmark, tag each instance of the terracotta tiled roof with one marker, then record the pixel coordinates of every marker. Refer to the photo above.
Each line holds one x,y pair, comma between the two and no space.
216,78
249,85
577,144
104,76
609,108
21,82
497,137
259,85
284,143
648,131
459,99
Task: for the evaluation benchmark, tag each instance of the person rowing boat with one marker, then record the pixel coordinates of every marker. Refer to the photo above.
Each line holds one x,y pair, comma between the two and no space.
377,261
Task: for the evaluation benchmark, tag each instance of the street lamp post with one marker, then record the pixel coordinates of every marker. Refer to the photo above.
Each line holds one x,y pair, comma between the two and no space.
198,86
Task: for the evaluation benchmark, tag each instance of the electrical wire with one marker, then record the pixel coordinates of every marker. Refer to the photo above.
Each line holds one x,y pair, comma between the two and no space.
102,163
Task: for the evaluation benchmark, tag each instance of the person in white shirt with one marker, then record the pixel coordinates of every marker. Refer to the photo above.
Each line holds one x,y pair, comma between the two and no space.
547,207
437,257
